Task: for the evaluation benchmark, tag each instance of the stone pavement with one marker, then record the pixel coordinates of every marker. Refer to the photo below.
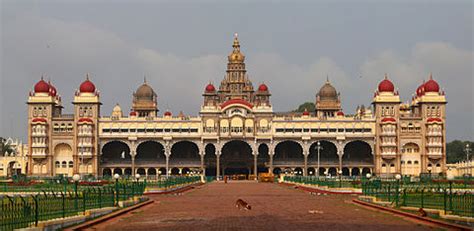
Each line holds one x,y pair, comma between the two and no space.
274,207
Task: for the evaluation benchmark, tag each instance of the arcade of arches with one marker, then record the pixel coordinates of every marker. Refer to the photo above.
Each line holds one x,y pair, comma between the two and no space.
236,157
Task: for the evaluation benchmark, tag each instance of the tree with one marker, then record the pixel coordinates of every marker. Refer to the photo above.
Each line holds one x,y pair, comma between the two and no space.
307,105
455,151
4,147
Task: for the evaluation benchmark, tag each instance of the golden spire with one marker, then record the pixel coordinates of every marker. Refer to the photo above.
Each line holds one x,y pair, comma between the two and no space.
236,55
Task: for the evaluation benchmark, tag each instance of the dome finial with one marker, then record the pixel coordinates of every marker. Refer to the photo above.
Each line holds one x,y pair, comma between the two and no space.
87,76
144,78
386,76
236,44
431,75
327,78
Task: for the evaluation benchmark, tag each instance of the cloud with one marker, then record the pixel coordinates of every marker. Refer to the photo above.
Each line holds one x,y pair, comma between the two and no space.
65,51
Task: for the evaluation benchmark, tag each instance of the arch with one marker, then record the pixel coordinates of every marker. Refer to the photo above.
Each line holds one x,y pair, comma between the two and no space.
185,153
116,152
151,172
345,171
311,171
128,171
185,171
327,155
365,171
162,171
62,155
175,171
298,171
210,159
118,171
322,171
236,157
263,161
106,172
355,172
277,171
288,153
141,171
13,168
332,171
357,152
150,153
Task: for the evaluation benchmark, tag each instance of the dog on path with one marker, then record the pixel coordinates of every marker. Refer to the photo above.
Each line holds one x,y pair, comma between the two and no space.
241,204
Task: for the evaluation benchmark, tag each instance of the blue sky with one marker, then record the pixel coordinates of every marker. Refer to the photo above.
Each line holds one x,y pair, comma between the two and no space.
289,45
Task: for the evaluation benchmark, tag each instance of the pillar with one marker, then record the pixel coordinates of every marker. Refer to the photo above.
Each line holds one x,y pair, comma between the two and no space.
203,171
305,168
133,164
270,168
255,165
340,161
167,164
218,165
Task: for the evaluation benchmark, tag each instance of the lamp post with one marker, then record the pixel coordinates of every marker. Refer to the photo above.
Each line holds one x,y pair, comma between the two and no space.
398,177
137,177
76,178
116,177
82,159
468,150
319,148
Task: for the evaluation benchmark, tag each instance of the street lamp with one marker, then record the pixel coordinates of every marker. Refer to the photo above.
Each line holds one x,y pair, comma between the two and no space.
137,177
116,177
76,178
398,177
368,175
319,148
467,149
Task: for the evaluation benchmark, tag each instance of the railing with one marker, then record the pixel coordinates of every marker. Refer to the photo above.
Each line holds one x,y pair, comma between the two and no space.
24,211
322,181
172,182
449,197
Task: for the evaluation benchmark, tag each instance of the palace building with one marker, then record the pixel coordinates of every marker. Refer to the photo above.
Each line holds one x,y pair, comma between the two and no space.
237,132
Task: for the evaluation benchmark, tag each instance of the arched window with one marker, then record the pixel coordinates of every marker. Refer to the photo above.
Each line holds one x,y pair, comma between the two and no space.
64,164
57,164
409,162
71,164
384,165
392,165
416,161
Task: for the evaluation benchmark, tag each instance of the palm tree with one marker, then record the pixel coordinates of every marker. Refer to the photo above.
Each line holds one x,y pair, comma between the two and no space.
4,147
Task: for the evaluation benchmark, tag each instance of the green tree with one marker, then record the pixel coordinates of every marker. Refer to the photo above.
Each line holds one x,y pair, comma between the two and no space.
307,105
455,151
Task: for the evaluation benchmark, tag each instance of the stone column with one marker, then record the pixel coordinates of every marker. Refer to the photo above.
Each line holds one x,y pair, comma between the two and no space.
305,155
270,167
167,164
255,164
133,163
203,170
218,164
340,159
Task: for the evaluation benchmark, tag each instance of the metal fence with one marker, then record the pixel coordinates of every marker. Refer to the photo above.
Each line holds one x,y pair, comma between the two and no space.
322,181
172,181
24,211
453,200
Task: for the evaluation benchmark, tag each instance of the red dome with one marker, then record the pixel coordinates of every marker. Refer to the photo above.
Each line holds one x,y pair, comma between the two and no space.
262,87
167,113
87,86
42,86
421,89
388,119
306,112
433,119
52,90
431,86
39,120
133,113
386,85
85,120
210,88
340,113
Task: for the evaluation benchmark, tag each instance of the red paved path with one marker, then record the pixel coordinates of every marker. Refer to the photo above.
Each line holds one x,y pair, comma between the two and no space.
274,207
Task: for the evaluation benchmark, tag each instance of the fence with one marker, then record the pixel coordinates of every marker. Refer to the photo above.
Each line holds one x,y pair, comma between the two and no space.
322,181
23,211
172,181
434,196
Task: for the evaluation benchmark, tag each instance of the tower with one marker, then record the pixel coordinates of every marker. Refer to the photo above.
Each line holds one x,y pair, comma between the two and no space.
145,101
43,104
386,103
328,101
431,104
86,134
236,84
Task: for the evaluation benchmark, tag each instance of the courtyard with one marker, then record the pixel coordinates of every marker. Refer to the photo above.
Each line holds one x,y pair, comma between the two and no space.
274,207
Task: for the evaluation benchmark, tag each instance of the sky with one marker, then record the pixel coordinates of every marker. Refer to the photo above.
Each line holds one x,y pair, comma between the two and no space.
291,46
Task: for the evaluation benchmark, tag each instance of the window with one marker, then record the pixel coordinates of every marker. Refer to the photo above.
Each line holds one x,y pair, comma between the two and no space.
71,164
64,164
56,164
416,162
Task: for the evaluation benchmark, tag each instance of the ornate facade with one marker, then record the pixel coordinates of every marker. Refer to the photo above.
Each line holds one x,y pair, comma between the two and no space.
237,132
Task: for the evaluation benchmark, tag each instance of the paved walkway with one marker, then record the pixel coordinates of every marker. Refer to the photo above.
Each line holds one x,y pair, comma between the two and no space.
274,207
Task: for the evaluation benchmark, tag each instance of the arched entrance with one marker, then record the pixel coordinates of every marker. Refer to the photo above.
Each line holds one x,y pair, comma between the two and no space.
263,160
62,154
185,154
106,172
357,154
236,158
150,154
327,155
288,153
210,160
13,169
116,154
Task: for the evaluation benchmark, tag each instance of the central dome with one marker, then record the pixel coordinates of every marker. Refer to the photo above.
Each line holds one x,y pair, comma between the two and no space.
145,92
327,92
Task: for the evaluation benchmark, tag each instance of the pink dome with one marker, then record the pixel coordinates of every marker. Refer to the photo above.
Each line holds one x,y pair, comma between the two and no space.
262,87
210,88
431,86
87,86
386,85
